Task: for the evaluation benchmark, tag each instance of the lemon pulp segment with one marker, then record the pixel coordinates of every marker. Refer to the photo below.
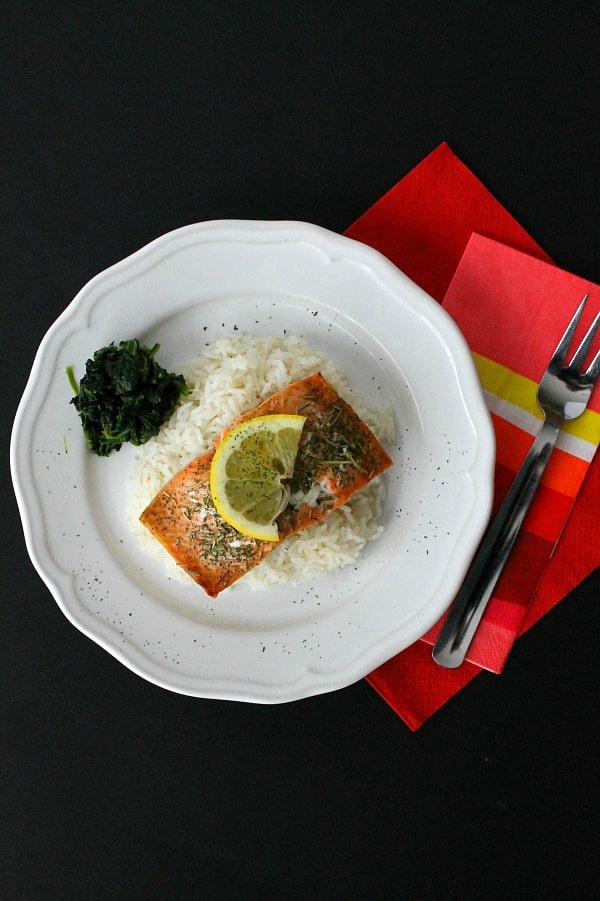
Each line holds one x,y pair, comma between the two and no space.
249,469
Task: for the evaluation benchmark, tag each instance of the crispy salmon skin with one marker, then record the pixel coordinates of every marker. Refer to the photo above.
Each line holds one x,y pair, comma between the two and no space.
337,456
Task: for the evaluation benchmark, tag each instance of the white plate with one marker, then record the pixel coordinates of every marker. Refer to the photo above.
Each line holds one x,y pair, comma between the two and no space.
394,342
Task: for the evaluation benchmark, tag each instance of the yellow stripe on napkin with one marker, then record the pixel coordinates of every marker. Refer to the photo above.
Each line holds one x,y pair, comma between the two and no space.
518,390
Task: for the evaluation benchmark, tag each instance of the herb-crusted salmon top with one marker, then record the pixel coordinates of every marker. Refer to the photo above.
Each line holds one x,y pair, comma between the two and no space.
338,455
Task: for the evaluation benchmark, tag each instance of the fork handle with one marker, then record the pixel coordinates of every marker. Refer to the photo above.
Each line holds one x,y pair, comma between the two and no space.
493,552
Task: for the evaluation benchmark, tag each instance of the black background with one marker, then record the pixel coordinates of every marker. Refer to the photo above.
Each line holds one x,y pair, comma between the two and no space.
119,124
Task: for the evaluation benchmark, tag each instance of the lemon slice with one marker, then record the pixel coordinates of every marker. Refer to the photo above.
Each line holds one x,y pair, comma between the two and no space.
248,470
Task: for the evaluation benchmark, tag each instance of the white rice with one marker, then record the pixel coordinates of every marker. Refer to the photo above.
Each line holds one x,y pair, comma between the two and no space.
234,374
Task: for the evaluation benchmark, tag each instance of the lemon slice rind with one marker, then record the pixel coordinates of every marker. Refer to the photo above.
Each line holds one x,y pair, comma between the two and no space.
257,482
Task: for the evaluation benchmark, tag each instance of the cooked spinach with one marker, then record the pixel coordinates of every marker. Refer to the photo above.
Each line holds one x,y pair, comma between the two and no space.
125,395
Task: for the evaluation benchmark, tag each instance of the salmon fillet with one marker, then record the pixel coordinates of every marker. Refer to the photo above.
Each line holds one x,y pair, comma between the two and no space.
337,456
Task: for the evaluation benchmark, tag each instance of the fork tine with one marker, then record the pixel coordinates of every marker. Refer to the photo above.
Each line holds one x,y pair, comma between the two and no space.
558,357
593,370
582,351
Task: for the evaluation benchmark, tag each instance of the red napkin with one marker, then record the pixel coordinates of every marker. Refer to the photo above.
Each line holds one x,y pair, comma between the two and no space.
512,309
424,225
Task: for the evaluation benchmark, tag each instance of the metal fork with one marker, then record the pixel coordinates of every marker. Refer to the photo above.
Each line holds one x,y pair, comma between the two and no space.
562,394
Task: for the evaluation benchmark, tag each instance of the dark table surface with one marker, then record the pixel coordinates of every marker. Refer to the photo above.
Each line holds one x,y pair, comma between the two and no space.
119,125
